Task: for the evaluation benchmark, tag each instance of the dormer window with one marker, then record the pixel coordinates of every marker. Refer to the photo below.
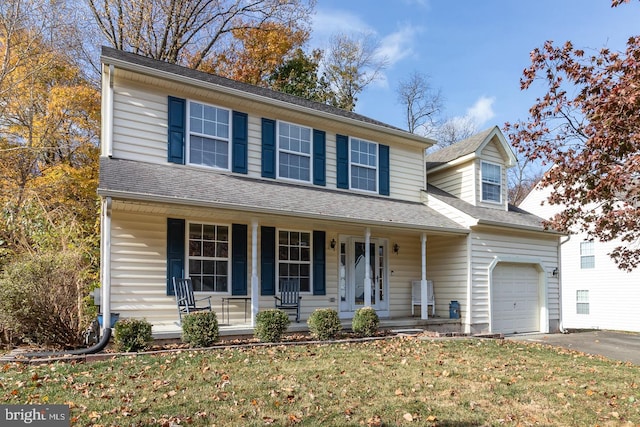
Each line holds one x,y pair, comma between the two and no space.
491,182
209,135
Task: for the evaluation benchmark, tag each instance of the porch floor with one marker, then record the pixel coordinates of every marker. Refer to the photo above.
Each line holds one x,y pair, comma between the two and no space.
171,331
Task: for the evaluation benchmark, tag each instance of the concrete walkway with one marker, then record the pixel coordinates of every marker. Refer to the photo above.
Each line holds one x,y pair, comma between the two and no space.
621,346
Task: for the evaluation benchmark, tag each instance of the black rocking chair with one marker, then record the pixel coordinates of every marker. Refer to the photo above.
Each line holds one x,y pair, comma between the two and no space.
187,303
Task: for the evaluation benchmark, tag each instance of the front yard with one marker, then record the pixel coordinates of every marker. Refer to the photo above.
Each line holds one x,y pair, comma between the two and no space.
399,381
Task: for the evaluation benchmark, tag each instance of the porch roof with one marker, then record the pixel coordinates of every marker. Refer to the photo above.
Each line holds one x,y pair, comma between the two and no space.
167,183
514,217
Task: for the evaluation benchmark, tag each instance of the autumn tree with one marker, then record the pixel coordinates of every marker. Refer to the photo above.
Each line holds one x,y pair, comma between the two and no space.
299,75
421,102
195,30
351,63
586,127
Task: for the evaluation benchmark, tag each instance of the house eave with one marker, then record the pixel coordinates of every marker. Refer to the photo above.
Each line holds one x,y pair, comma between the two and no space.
504,225
138,68
153,198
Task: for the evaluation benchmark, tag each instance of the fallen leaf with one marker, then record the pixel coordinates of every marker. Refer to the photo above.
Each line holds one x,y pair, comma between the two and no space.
399,392
432,418
408,417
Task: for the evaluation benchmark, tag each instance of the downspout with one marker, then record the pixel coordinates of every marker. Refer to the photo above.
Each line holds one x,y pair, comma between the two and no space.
104,340
106,264
560,243
468,311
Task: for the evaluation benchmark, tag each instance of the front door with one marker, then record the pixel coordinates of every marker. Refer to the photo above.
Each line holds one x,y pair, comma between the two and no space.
353,276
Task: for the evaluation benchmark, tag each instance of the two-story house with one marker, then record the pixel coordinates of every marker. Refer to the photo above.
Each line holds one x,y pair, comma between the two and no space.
239,187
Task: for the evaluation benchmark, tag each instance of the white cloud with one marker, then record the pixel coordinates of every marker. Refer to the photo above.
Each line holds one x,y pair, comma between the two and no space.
398,45
327,23
482,111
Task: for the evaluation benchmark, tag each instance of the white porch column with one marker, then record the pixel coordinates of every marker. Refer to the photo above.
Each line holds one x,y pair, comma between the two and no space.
105,246
424,307
367,269
254,272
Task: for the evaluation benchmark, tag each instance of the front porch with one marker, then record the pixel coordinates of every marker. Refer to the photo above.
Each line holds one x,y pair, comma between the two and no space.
172,331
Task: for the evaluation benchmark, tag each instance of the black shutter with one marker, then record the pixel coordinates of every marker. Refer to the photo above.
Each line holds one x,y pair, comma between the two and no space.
175,251
268,148
383,171
319,156
239,259
177,129
342,151
268,260
239,147
319,263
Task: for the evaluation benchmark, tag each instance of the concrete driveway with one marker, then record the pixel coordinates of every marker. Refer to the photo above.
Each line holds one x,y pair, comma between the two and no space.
613,345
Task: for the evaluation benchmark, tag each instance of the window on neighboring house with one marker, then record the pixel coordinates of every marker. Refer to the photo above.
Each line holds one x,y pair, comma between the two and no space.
294,257
208,258
491,182
582,302
364,165
587,255
209,133
294,152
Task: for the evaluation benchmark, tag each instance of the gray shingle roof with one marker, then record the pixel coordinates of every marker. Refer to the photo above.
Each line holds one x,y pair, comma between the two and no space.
457,150
155,64
192,186
513,218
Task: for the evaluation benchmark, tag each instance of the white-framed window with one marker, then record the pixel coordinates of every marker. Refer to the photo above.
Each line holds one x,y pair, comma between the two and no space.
294,257
587,255
209,135
208,257
491,182
582,302
294,152
363,165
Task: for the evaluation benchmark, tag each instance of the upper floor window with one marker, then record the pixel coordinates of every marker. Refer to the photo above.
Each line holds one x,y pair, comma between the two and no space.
587,254
364,165
209,132
294,152
208,257
294,257
491,182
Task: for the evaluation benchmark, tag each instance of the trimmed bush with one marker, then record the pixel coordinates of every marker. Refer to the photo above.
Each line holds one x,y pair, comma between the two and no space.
324,323
200,329
132,335
365,322
271,325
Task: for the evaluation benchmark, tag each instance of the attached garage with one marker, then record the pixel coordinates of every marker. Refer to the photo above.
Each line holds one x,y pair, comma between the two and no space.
515,298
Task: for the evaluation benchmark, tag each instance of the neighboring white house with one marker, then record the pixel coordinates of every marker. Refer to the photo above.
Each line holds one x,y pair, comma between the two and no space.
240,187
596,294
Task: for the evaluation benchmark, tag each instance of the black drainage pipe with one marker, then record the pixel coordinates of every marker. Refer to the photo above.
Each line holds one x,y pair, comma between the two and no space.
104,340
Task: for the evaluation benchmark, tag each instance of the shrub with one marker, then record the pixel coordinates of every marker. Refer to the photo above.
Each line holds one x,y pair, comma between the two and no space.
271,325
324,323
200,329
132,335
365,322
41,298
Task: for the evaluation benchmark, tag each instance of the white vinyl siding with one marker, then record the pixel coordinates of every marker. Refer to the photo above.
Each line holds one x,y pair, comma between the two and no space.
457,181
488,246
139,124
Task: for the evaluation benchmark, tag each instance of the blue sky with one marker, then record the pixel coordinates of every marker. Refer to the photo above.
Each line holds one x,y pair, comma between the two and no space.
473,50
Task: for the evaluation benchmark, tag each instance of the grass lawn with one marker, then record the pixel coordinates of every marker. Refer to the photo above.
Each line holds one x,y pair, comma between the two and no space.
399,381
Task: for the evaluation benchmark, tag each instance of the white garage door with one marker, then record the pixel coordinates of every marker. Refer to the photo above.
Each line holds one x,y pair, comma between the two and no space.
514,297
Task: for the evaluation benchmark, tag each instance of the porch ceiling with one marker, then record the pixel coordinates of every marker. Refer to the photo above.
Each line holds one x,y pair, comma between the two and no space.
177,184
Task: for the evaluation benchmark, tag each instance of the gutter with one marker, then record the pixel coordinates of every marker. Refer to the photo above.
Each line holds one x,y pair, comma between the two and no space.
257,209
